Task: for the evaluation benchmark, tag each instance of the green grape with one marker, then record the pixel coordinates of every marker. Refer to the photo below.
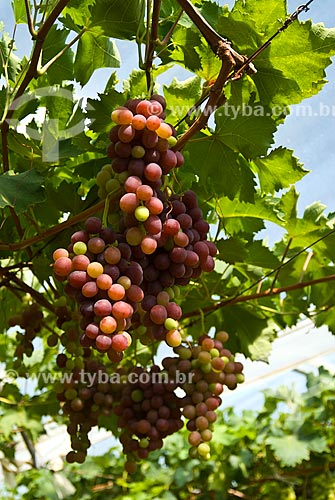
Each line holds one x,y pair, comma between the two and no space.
80,248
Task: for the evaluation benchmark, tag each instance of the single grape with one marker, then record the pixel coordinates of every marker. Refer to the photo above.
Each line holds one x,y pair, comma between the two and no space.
104,281
62,266
122,116
103,307
94,269
142,213
108,324
116,292
112,255
119,342
173,338
61,252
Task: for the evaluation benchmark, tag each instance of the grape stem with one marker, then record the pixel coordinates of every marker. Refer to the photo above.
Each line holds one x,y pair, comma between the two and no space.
215,95
211,36
151,43
31,26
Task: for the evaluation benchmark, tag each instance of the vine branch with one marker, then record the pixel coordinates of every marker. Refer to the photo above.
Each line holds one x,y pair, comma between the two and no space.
7,278
228,62
58,228
255,296
31,448
211,36
282,262
152,41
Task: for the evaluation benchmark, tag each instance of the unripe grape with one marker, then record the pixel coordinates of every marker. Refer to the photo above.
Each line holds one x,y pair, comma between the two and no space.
171,324
142,213
203,449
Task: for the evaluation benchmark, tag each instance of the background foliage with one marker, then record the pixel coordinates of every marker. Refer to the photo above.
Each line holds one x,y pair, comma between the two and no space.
242,183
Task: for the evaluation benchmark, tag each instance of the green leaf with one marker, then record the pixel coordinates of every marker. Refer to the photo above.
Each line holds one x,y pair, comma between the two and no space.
281,76
232,250
181,96
95,51
301,46
220,170
117,18
248,130
21,191
289,449
288,205
19,10
260,255
250,331
62,68
315,212
8,56
13,419
99,110
239,216
79,13
210,64
185,41
279,170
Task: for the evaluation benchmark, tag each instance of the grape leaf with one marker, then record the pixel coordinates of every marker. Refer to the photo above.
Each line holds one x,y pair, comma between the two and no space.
19,10
117,18
62,68
20,191
8,55
279,170
181,96
78,11
233,212
289,449
94,51
220,170
260,255
232,250
244,130
99,110
185,40
281,76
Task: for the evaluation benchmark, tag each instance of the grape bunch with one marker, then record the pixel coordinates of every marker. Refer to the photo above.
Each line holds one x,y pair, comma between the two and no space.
209,367
140,148
148,411
102,279
145,400
85,394
30,321
127,278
